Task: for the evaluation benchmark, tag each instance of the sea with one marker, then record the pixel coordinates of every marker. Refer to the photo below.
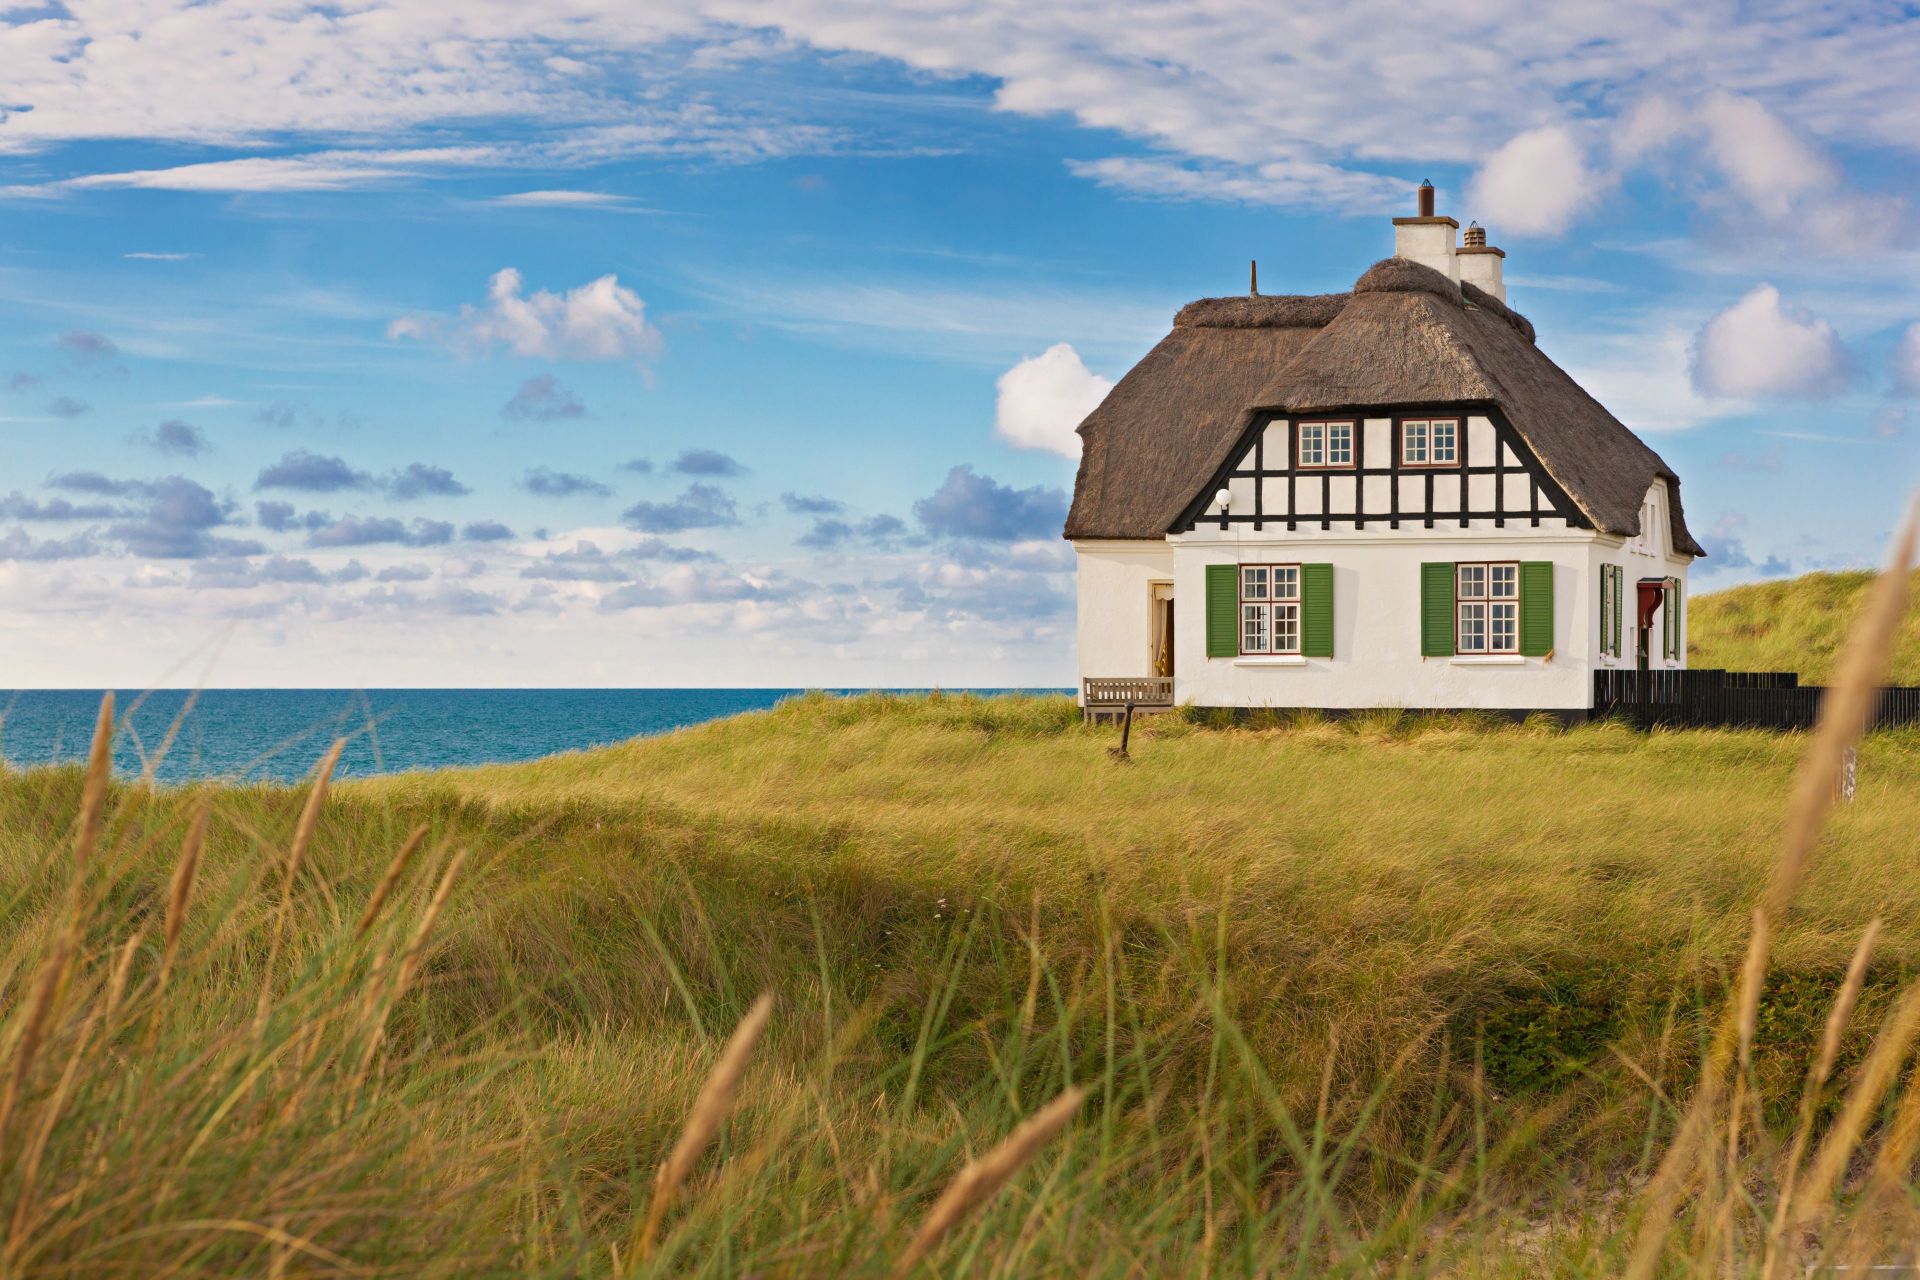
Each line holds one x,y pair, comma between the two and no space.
277,735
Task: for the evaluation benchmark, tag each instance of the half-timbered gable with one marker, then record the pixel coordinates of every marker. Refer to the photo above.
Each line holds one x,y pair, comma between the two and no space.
1412,468
1386,497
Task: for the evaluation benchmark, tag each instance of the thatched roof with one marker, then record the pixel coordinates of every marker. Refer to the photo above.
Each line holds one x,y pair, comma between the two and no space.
1406,335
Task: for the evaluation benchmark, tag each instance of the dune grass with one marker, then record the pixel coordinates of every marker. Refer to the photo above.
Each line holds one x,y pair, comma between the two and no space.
1794,625
1358,999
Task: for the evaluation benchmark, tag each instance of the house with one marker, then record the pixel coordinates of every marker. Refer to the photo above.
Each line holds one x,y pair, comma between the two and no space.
1389,497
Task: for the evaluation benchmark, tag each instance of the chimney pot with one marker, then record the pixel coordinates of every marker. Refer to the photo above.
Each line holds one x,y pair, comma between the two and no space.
1253,277
1476,236
1426,199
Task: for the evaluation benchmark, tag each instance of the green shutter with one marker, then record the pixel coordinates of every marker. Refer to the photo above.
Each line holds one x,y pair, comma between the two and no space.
1619,590
1536,608
1606,610
1436,609
1672,627
1223,610
1316,610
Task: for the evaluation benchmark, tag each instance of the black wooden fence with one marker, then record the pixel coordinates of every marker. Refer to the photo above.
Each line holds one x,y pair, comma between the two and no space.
1708,697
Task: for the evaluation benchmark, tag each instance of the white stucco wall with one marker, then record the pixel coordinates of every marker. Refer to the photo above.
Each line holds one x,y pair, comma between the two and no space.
1649,555
1376,629
1114,630
1376,606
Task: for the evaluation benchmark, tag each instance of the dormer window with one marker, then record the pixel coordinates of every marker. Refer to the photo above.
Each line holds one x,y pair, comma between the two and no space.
1326,444
1430,442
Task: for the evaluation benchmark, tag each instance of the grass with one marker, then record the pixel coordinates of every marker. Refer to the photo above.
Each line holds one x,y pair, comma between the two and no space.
1794,625
1394,996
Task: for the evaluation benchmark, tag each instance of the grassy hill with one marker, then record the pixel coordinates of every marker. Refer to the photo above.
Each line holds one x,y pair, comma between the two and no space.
1794,625
1389,997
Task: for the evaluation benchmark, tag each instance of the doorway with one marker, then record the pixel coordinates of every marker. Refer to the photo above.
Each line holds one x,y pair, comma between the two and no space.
1653,597
1160,628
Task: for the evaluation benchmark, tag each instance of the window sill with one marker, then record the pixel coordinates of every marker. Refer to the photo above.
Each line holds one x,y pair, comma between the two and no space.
1491,660
1275,660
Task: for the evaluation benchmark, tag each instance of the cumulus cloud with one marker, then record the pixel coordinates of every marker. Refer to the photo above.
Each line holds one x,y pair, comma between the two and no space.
1777,182
699,506
639,466
486,531
587,561
233,574
366,531
1534,185
1727,551
275,517
93,482
1761,347
86,346
969,505
802,504
309,472
1906,360
542,399
177,522
706,462
176,438
17,544
18,506
1041,401
599,320
419,480
548,483
67,407
831,534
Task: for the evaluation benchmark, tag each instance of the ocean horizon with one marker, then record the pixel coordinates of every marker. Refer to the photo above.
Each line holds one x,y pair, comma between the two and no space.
277,735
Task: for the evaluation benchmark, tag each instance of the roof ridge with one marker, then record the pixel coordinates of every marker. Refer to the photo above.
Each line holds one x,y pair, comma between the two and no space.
1262,311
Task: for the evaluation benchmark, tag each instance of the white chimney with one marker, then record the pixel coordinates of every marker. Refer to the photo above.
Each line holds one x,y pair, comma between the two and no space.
1427,239
1480,263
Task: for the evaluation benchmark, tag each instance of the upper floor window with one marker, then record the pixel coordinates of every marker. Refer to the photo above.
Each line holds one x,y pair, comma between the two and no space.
1487,599
1270,608
1326,444
1430,442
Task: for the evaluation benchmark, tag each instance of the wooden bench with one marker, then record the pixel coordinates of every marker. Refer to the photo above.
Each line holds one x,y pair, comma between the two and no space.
1106,697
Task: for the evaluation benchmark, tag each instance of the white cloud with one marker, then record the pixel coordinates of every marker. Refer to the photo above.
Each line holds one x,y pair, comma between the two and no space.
1535,185
1042,399
1760,347
599,320
1241,102
560,199
1778,182
1906,360
1645,379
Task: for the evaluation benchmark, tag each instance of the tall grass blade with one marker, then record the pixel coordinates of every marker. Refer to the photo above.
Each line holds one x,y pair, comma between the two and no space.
983,1178
710,1108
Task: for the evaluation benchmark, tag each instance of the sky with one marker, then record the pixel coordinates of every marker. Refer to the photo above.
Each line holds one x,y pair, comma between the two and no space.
729,342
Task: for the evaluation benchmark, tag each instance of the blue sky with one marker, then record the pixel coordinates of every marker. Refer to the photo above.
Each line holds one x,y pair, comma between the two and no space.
738,343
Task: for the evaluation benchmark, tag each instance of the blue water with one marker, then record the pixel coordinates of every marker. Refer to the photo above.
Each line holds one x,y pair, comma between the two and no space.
278,734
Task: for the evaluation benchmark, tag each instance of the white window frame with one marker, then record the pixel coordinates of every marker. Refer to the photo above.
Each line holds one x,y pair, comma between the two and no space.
1497,601
1319,432
1428,452
1270,610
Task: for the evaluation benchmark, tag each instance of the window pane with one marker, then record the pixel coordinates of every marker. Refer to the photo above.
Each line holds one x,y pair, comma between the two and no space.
1473,629
1444,436
1413,441
1473,582
1253,628
1505,580
1505,627
1339,444
1286,628
1286,582
1313,444
1253,582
